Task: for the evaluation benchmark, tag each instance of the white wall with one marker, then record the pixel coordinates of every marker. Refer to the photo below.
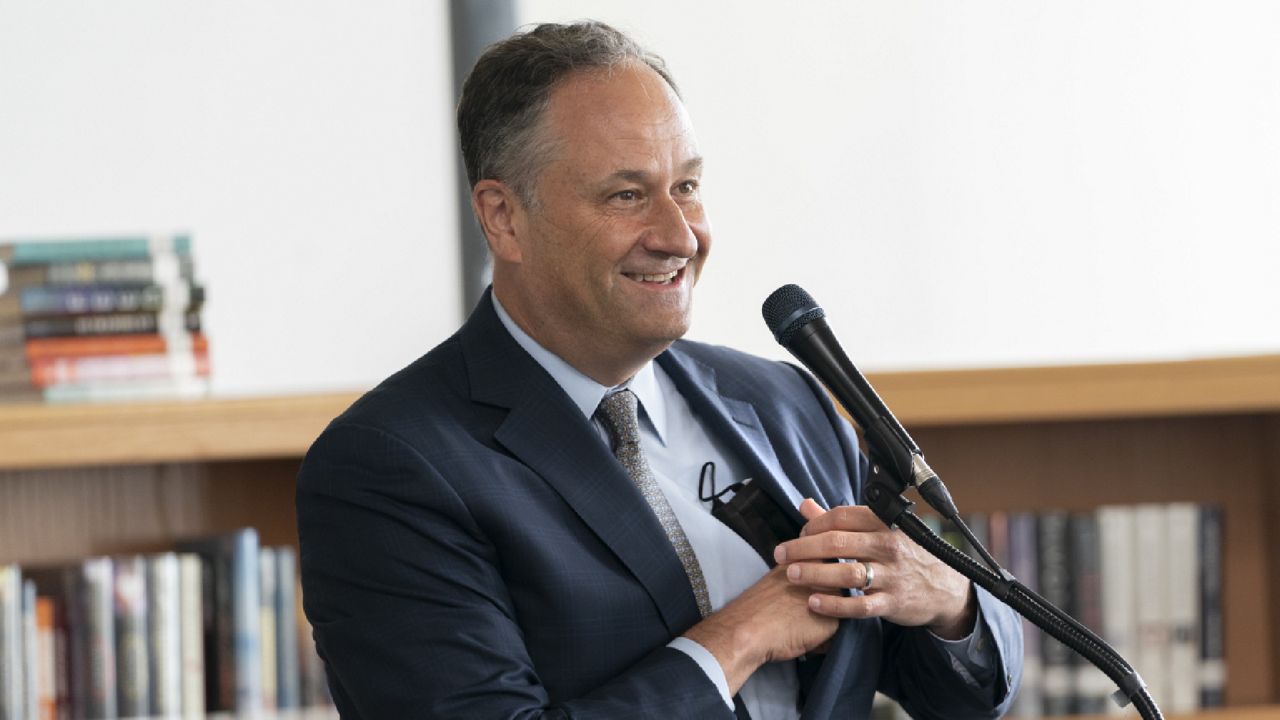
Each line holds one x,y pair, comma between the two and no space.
306,145
974,183
984,183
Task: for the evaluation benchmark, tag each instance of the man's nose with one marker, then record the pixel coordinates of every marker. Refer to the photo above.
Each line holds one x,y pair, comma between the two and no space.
670,232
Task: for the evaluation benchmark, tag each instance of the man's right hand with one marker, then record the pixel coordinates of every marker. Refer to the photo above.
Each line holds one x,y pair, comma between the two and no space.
769,622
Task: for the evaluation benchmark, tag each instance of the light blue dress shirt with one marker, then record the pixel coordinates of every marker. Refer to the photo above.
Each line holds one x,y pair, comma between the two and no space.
676,446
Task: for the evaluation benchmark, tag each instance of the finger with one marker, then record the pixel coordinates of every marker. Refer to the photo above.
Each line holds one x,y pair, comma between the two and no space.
845,517
810,509
834,545
859,606
830,575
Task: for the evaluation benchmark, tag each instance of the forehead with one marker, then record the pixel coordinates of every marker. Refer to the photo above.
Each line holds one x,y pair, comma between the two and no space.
619,115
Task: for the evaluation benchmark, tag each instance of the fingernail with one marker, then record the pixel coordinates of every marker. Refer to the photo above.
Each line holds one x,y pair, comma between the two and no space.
793,572
780,554
814,602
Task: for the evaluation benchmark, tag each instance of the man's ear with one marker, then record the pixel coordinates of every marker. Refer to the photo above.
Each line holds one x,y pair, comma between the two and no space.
502,218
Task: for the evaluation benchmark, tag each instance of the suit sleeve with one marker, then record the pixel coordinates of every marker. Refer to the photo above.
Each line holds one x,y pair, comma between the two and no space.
915,670
411,615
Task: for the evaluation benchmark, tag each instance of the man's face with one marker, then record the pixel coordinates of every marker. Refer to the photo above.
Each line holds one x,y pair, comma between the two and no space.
613,248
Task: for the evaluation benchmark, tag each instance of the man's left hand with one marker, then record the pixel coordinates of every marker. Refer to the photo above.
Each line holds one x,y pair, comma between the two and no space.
908,586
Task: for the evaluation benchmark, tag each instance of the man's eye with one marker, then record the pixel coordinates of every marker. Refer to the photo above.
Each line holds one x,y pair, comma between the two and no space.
688,187
627,195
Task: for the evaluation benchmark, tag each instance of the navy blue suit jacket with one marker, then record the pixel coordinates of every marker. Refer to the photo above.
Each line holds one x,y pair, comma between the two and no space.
469,548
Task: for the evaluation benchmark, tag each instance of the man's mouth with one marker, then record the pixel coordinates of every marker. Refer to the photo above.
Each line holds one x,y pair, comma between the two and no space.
657,279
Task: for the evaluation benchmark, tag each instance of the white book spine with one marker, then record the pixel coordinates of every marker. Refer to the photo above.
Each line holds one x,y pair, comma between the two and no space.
267,624
191,602
1151,566
1183,583
11,656
1116,535
30,654
165,634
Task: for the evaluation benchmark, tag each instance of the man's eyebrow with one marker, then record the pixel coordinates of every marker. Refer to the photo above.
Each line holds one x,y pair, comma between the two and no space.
693,166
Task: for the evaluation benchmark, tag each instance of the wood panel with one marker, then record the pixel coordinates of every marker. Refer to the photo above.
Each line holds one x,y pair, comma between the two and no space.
1079,466
49,516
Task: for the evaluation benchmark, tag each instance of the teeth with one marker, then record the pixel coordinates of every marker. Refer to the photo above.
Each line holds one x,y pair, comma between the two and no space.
663,278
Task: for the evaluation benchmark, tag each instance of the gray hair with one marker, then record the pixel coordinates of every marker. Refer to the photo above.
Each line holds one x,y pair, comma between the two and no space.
507,92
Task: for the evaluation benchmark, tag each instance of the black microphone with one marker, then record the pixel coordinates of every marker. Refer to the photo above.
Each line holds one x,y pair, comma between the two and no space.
799,325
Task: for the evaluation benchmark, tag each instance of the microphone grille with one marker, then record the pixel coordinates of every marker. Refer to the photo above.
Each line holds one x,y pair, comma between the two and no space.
788,309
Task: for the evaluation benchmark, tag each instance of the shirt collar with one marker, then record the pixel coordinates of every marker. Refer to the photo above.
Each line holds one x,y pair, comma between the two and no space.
586,393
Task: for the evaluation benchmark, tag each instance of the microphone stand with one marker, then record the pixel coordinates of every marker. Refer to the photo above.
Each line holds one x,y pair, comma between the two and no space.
884,497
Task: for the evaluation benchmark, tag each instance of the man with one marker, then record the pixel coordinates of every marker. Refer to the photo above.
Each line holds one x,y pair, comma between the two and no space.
513,526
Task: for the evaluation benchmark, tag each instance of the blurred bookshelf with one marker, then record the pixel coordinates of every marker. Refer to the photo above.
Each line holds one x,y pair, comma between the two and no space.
81,480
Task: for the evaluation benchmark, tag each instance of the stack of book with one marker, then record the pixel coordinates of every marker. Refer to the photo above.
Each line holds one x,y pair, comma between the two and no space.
101,319
1146,578
214,626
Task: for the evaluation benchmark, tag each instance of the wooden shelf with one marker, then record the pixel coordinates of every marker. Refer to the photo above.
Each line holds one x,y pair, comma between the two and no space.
1238,385
278,427
34,436
1260,712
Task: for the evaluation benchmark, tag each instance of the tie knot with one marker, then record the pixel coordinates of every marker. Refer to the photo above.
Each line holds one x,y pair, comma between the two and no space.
618,413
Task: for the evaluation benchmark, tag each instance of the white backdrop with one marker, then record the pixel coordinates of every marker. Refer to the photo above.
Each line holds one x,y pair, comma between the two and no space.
986,183
306,145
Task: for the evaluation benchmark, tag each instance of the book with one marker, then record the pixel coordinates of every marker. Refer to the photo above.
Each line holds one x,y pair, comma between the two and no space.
288,683
48,656
1182,588
30,661
41,301
1213,666
1024,560
121,323
1092,688
1119,584
125,390
135,247
136,344
191,608
133,678
267,625
1152,615
164,634
96,368
12,704
233,660
135,272
1057,680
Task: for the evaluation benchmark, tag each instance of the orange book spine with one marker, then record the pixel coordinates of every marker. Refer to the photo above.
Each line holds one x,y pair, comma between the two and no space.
145,344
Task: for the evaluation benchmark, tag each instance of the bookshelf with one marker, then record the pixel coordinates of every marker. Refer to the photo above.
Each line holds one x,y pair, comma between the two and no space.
1004,439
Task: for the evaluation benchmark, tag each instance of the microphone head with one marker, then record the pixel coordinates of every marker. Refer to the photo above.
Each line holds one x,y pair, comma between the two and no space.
788,309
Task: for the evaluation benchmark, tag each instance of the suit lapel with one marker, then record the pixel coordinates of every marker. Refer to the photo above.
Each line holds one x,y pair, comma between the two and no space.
547,433
733,420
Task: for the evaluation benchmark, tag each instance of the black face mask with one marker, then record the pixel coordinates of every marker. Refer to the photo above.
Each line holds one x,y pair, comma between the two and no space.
752,513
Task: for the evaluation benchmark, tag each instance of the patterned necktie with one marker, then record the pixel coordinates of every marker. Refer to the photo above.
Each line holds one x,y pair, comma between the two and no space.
618,414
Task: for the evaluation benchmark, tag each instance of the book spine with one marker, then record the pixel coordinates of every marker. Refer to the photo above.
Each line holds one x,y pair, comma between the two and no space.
11,655
1119,583
288,678
1024,563
100,272
99,660
246,607
1151,658
133,682
1092,686
267,625
1056,587
1213,669
93,300
1182,522
108,324
30,652
97,368
135,344
164,634
191,579
163,388
41,252
47,656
